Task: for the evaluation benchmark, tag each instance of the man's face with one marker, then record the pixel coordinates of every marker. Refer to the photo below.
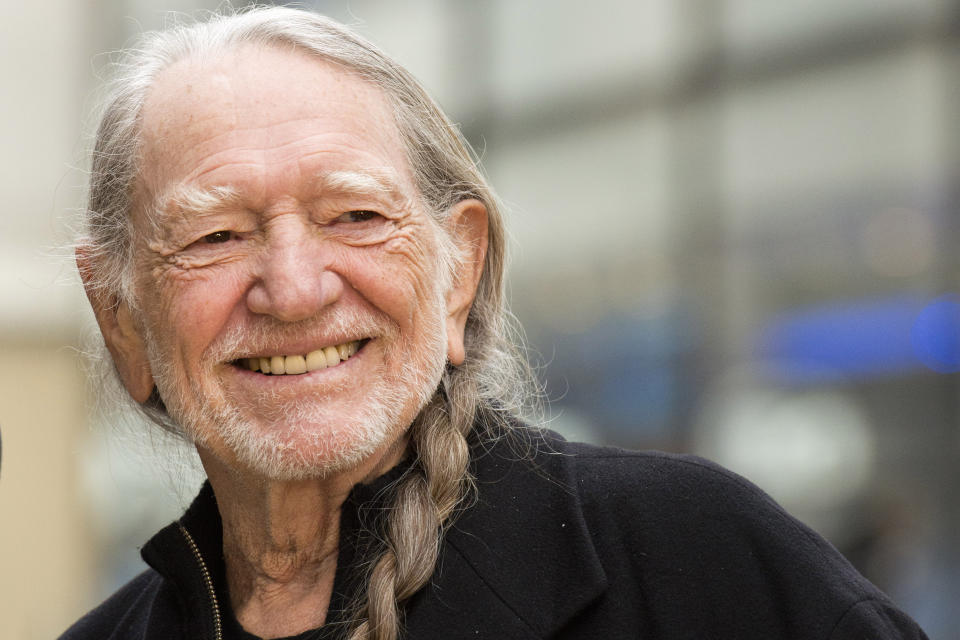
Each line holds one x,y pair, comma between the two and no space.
277,220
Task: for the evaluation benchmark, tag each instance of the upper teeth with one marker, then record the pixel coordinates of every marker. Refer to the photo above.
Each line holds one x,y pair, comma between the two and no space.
319,359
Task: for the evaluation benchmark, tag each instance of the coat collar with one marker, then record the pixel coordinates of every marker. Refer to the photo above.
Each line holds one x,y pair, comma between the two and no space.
519,562
193,572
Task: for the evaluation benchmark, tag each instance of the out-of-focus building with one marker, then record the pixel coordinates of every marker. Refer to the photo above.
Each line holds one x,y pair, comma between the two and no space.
734,230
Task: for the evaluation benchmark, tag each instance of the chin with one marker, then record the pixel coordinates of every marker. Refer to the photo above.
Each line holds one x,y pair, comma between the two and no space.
305,449
305,440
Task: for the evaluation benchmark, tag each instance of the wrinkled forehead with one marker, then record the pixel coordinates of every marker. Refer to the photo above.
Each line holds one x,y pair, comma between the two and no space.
261,103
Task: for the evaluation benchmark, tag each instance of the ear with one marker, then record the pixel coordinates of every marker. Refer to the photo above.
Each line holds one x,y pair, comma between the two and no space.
120,333
467,226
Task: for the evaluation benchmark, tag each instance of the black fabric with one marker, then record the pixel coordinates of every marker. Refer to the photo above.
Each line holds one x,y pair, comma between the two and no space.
564,541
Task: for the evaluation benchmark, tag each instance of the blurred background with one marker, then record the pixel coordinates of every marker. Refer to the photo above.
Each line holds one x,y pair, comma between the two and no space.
735,233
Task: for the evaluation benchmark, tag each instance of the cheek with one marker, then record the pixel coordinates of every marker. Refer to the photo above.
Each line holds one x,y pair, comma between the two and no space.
399,278
416,256
198,308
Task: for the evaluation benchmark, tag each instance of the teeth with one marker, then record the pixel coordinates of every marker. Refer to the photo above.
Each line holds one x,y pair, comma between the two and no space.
316,360
295,364
292,365
333,358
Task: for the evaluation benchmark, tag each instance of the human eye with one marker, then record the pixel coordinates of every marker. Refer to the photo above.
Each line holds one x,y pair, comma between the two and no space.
359,215
222,238
219,237
359,226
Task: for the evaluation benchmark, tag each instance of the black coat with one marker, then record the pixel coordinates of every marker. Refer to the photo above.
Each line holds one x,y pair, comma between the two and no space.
565,541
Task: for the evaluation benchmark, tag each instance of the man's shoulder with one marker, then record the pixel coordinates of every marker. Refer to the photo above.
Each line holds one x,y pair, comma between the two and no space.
602,466
130,613
687,484
613,476
660,497
666,512
645,495
676,531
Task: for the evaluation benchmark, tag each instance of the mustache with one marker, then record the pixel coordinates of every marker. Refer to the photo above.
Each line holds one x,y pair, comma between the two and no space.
266,334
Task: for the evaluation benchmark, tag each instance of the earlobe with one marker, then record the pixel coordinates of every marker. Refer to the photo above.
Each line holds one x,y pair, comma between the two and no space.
129,354
467,226
121,335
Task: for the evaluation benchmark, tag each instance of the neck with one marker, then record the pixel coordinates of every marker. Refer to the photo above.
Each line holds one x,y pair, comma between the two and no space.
281,539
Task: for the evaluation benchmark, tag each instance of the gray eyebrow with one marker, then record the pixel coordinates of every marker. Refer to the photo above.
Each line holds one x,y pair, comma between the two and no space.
196,200
187,201
381,182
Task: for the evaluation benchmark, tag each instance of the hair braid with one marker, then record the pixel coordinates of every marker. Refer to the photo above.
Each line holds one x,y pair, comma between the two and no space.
424,503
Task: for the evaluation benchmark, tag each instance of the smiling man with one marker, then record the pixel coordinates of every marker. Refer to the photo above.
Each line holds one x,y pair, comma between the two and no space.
297,267
304,306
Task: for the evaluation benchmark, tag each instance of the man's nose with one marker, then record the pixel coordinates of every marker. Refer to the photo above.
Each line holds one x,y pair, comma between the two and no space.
293,279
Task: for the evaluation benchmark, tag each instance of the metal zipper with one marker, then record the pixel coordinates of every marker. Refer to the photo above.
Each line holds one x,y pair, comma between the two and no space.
208,581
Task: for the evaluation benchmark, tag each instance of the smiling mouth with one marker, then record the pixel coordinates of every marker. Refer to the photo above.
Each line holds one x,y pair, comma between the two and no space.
299,364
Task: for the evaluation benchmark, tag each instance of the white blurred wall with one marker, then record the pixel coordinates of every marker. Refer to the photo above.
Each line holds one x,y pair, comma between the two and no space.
46,551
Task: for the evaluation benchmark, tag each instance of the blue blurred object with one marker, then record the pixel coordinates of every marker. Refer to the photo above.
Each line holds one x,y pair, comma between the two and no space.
625,372
936,334
863,339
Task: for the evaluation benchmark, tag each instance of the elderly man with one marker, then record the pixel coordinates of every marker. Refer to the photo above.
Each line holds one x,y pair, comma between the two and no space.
296,265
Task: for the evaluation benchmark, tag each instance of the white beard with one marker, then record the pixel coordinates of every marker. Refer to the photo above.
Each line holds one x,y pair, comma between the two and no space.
302,438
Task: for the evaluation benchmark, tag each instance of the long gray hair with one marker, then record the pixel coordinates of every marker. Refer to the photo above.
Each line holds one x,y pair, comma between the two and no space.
493,385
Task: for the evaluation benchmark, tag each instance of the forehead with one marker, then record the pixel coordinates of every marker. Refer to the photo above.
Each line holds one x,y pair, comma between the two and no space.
256,112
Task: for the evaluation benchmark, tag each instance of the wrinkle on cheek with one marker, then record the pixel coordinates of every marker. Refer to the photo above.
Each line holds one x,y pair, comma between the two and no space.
188,265
178,271
410,241
168,262
419,259
167,276
160,248
405,247
368,239
186,301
